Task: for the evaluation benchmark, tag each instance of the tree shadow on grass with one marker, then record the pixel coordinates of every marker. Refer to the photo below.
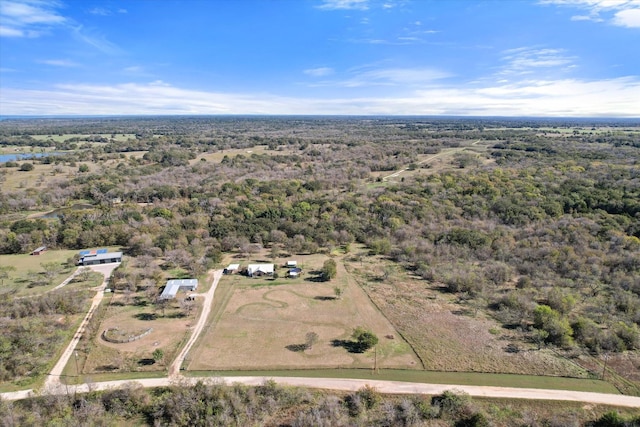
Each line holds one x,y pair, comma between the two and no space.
324,298
146,316
350,346
146,362
296,348
107,368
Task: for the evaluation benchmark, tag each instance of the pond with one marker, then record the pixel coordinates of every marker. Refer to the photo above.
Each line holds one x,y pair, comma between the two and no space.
57,212
22,156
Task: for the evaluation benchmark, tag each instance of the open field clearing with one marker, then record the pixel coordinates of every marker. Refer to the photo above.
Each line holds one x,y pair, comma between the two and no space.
258,149
265,319
41,176
83,137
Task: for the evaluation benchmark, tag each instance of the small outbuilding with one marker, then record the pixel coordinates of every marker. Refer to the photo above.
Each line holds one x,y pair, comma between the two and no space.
231,268
39,250
292,264
173,286
256,270
294,272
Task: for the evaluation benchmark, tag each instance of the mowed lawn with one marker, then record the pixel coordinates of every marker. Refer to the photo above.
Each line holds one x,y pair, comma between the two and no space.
27,267
260,321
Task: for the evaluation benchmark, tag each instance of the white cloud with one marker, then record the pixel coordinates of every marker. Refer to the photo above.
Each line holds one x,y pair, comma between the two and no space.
319,72
28,18
527,60
624,13
344,5
59,62
627,18
568,97
371,76
98,41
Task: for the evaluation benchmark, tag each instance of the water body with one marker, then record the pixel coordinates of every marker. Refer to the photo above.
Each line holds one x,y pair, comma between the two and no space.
22,156
56,213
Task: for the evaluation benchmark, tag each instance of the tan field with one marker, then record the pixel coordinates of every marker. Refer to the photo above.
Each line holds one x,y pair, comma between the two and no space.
265,319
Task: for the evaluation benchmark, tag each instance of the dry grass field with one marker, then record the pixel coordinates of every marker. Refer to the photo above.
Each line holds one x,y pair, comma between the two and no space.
447,335
264,319
169,331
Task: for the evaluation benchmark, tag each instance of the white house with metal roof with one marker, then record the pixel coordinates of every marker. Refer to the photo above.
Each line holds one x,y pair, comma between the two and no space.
173,286
260,270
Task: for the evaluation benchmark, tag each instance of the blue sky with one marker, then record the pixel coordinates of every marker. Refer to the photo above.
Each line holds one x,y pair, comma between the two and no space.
577,58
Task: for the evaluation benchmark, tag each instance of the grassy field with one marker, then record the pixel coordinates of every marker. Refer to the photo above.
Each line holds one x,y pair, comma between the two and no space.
430,377
42,174
259,322
64,137
29,268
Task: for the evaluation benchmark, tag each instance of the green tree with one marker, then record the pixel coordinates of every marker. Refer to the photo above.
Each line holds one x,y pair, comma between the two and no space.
364,339
329,270
157,355
558,328
25,167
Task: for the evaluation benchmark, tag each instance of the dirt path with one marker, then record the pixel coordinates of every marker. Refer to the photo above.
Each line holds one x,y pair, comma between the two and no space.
53,380
174,369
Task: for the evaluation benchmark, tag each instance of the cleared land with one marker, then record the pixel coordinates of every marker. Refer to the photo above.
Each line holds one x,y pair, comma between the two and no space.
265,319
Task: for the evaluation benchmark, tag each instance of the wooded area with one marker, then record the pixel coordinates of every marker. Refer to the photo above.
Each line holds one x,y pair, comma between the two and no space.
535,223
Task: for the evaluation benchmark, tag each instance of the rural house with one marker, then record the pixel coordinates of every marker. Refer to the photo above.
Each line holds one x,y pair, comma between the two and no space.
255,270
173,286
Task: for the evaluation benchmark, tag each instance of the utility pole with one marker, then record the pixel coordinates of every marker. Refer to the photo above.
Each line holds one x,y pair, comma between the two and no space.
604,367
77,370
375,359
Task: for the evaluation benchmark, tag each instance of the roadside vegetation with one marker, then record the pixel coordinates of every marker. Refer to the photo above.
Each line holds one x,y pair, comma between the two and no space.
501,246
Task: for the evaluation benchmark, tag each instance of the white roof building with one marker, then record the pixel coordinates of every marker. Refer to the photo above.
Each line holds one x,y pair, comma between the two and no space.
260,269
173,286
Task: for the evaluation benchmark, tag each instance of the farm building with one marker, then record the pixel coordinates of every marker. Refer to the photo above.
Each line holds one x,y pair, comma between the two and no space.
100,258
231,268
294,272
173,286
39,250
292,264
254,270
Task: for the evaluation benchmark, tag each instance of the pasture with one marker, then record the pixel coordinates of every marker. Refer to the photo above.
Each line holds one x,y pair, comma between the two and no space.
261,323
36,274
